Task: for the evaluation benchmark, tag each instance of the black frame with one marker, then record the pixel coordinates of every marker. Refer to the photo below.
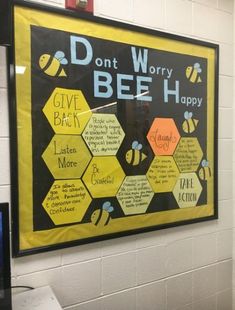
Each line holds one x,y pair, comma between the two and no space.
5,22
13,132
5,303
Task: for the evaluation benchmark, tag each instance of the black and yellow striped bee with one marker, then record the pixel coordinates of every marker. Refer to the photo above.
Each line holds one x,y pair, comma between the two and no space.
101,216
135,156
190,124
205,171
52,65
193,73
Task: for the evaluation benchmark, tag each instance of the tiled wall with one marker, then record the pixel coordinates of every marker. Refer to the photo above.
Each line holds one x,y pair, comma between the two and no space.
181,268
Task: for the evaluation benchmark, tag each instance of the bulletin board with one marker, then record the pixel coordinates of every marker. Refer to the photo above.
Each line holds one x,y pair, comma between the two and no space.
114,129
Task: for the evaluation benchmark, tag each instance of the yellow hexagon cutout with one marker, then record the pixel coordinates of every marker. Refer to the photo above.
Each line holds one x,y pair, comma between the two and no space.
103,134
66,156
162,174
67,201
187,190
103,176
67,111
188,154
135,194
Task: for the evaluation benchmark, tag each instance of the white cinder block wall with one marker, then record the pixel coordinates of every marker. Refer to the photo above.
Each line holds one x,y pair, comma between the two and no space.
182,268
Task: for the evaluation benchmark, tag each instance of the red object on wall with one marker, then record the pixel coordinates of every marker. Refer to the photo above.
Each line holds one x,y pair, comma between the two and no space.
71,4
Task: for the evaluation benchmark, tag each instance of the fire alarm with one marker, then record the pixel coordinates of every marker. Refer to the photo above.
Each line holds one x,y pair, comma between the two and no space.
80,5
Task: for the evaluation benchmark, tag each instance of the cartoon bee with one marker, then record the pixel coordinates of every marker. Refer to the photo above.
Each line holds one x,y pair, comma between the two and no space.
101,216
52,65
190,124
135,156
193,73
205,171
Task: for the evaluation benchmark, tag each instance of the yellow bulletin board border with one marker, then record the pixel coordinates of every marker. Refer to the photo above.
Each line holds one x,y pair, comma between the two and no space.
25,240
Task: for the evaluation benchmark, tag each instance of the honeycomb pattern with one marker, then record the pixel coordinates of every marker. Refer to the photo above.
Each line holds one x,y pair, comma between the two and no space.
82,159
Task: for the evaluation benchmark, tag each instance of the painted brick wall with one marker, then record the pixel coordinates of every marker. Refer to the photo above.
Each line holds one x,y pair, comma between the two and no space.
184,268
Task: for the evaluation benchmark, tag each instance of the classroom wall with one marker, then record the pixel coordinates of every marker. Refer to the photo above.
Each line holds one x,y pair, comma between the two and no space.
188,267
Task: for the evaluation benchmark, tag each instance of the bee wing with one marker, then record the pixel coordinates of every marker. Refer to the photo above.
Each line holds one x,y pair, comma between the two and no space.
139,146
204,162
197,67
61,57
190,114
63,61
111,208
106,205
186,115
135,144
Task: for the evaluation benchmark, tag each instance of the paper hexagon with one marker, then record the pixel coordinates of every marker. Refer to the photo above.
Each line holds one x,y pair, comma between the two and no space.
162,174
188,154
163,136
187,190
66,156
135,194
67,111
67,201
103,176
103,134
